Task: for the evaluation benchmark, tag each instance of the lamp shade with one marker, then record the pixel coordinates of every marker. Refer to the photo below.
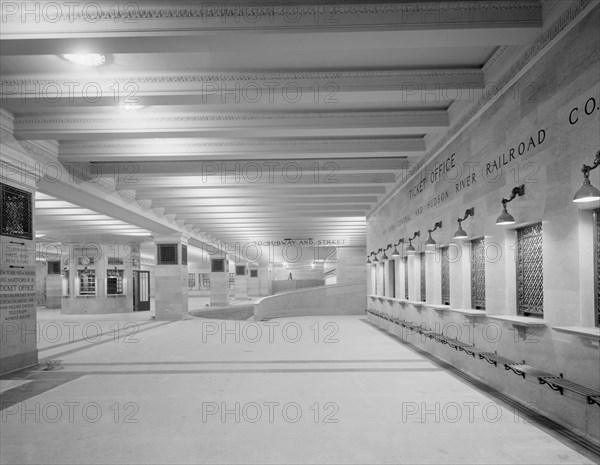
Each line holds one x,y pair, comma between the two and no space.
430,242
410,248
460,233
384,257
395,252
586,193
505,217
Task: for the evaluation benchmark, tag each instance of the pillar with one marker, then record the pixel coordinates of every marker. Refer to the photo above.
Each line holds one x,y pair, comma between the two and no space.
219,279
241,280
171,278
54,284
18,346
264,280
253,282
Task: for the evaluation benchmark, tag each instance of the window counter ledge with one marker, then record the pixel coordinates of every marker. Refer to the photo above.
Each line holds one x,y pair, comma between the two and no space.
519,320
582,331
469,312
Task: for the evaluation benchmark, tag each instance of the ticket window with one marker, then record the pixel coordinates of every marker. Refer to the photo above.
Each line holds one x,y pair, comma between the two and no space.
114,277
114,282
86,276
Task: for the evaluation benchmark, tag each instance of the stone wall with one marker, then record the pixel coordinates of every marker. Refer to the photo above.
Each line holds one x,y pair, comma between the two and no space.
538,133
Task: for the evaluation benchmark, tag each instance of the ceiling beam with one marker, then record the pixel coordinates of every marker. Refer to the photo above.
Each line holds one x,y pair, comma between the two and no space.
179,26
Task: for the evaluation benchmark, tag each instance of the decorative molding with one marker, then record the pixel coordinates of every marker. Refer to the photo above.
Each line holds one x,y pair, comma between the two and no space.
193,117
146,204
69,148
140,12
494,58
280,77
127,195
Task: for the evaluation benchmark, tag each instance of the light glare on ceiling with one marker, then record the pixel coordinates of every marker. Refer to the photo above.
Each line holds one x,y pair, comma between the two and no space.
85,59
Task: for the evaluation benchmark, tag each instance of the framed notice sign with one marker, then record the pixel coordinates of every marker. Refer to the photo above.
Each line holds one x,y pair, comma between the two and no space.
16,212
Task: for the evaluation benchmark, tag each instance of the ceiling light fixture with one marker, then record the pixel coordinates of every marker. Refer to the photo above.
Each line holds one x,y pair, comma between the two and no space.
460,232
131,106
85,59
505,217
587,192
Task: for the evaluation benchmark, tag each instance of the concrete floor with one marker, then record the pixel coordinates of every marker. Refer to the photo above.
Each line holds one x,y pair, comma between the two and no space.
322,390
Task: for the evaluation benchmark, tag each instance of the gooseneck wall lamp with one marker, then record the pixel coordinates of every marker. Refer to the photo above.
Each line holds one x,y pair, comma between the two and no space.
430,243
411,248
460,232
395,253
505,217
587,192
384,257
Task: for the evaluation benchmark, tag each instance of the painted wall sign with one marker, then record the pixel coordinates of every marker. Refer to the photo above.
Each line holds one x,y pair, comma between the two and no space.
522,148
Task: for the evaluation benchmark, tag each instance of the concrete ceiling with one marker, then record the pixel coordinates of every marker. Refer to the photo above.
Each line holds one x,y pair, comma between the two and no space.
259,123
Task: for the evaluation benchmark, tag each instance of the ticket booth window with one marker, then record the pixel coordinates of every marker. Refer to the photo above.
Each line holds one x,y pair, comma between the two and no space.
530,271
87,282
114,282
204,280
191,280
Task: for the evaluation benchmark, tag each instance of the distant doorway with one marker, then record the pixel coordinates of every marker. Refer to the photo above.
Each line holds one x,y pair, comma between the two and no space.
141,291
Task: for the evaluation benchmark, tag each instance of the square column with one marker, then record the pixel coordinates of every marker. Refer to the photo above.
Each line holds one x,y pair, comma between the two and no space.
253,282
264,280
219,280
241,280
18,346
171,278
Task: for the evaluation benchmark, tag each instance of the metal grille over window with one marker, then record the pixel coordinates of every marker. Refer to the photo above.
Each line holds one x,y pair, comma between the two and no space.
445,276
54,267
204,279
423,275
87,282
167,254
114,282
217,265
15,212
478,274
530,276
597,267
405,261
191,280
254,273
184,254
231,280
240,270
